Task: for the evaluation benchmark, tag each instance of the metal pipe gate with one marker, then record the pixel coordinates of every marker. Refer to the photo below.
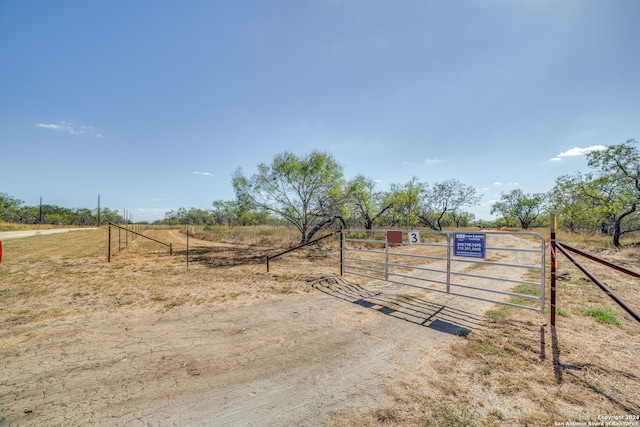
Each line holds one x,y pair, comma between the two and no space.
495,266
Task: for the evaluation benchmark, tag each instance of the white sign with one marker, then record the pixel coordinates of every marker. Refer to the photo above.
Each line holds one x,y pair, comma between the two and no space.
414,237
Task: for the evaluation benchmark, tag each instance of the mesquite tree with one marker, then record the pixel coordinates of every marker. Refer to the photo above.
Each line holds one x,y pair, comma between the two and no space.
525,208
308,191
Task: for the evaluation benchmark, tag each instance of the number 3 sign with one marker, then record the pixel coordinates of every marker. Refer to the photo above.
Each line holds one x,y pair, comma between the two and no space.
414,237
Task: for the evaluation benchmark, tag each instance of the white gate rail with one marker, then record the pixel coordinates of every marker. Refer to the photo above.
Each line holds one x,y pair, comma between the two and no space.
501,267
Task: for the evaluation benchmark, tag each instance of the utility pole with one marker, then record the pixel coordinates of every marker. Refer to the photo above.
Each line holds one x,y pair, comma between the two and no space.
98,210
40,220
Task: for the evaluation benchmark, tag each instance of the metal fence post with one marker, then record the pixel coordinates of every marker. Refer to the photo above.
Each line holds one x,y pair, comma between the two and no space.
109,245
448,262
386,257
554,262
341,251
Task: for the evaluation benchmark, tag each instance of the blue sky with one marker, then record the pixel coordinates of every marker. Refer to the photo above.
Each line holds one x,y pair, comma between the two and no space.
154,104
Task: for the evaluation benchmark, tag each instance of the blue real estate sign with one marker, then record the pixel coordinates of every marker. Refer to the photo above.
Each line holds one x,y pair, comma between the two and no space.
469,245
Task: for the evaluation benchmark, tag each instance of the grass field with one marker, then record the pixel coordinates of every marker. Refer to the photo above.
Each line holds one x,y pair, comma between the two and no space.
512,370
516,370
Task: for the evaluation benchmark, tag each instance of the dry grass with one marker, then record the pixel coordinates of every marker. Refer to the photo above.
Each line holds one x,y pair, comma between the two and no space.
513,370
61,275
8,226
517,370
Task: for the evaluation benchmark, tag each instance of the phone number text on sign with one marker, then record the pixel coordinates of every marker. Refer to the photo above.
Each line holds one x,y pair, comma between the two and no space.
469,245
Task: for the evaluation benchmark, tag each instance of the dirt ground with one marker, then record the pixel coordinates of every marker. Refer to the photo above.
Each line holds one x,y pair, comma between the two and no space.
278,360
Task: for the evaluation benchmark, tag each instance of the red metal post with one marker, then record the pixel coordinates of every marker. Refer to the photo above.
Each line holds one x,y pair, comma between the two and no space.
554,263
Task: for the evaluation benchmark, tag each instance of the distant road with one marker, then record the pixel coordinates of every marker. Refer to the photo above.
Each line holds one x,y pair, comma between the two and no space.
6,235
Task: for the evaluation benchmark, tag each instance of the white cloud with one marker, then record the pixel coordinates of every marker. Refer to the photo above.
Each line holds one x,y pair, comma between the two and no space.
497,183
50,126
71,129
432,161
426,162
577,151
203,173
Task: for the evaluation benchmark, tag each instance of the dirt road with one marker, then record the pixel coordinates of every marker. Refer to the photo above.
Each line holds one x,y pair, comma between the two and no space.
280,360
6,235
284,361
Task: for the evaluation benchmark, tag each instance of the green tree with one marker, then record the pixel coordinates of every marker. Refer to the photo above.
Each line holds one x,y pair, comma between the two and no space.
10,208
224,212
617,170
193,216
309,192
196,216
444,198
462,218
606,198
570,201
110,216
525,208
366,205
406,200
81,216
237,212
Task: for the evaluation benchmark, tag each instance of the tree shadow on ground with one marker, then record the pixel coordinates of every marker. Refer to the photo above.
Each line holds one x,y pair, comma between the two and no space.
405,307
224,257
231,256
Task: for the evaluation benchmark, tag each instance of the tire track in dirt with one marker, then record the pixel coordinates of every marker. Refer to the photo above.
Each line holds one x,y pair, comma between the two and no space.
279,361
